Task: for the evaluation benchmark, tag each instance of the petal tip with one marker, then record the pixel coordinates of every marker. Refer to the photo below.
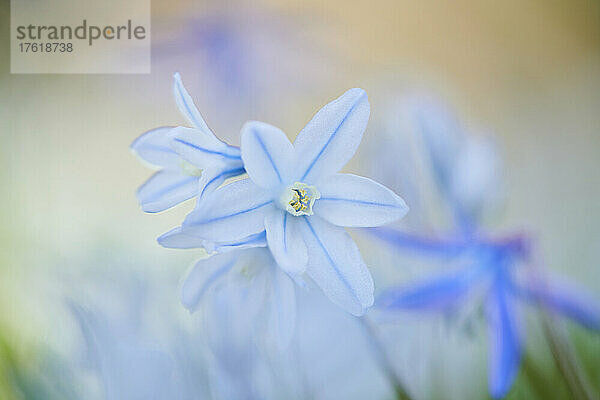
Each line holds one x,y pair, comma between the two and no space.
358,92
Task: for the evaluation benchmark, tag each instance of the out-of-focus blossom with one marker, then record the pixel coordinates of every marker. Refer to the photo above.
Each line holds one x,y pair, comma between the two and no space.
253,267
295,193
233,313
245,57
192,161
331,355
127,365
133,346
271,292
420,139
467,171
493,272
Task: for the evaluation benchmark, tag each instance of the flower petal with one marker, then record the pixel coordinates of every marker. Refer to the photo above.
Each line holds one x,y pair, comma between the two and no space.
285,240
165,189
433,122
267,154
204,274
186,105
231,212
565,299
420,244
434,294
335,264
476,183
153,147
282,312
202,149
212,178
177,239
255,240
351,200
504,342
330,139
233,313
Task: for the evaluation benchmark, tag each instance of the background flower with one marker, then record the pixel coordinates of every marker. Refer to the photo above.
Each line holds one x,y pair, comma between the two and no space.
495,271
192,160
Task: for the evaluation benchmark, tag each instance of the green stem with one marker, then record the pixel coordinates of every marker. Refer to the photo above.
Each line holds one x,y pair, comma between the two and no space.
565,361
384,361
562,353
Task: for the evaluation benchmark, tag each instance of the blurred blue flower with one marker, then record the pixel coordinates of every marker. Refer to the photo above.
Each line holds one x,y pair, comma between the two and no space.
127,365
295,194
255,267
192,161
468,174
246,56
492,271
321,362
232,313
133,343
271,291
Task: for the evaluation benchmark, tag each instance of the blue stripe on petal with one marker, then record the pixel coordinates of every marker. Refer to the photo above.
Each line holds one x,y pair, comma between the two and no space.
336,266
245,211
205,150
231,212
285,240
186,104
264,149
355,201
215,181
166,189
267,154
363,202
333,135
332,263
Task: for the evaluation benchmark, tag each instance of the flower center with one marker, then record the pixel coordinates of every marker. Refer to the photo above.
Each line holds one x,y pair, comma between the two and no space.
299,198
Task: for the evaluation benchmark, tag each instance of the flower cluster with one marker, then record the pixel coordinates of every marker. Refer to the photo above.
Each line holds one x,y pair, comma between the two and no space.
293,200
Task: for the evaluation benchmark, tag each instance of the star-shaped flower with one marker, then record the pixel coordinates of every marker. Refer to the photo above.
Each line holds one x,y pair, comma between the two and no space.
192,161
295,193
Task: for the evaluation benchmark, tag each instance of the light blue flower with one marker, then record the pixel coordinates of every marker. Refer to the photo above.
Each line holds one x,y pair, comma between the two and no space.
321,362
231,314
192,161
295,194
124,351
421,140
126,365
273,291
